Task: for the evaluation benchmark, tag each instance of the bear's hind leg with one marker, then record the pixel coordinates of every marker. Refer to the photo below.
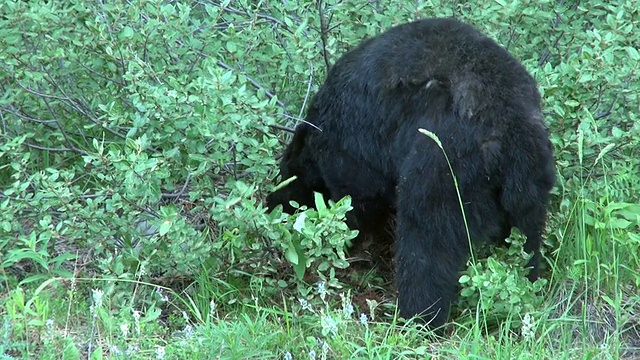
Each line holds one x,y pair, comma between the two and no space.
431,250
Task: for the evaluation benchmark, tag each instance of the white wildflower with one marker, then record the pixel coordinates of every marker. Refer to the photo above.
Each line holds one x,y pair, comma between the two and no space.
527,330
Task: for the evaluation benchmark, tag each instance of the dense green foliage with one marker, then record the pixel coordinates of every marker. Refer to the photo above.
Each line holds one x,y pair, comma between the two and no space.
139,139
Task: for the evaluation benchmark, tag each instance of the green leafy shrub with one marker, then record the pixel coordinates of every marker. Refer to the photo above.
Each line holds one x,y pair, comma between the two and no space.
138,140
320,236
128,117
497,285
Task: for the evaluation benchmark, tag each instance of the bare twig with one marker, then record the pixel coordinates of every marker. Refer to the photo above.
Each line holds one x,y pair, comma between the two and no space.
607,112
34,146
308,93
259,16
283,128
546,53
297,119
234,151
182,190
12,110
97,74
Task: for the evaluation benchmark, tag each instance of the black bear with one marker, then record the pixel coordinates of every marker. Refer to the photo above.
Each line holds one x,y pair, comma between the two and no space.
361,138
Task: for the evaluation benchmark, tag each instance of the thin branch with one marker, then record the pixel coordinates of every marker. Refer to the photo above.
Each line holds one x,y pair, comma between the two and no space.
254,83
610,109
308,93
25,117
283,128
297,119
34,146
182,191
259,16
60,127
323,34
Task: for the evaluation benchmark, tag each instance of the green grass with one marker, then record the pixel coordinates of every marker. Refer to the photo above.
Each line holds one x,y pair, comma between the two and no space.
589,312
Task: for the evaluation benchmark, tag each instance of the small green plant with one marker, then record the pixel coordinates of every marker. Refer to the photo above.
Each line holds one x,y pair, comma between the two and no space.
498,287
316,236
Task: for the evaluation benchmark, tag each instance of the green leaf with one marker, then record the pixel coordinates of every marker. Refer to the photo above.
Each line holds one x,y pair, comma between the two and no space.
291,254
633,53
320,204
301,266
70,351
127,32
165,226
97,354
298,225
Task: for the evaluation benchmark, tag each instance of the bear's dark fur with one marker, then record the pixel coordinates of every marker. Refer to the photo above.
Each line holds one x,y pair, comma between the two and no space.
446,77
